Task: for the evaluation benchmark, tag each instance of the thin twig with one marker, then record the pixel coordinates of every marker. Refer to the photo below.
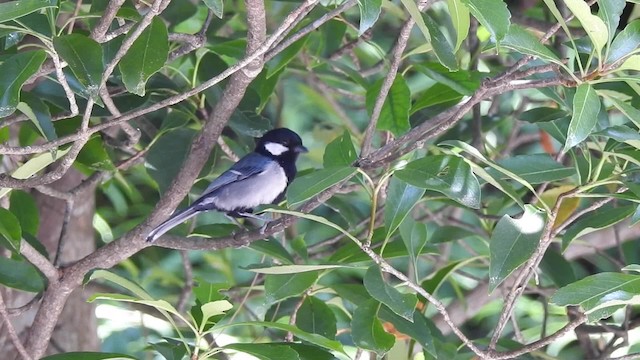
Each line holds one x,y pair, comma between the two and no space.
13,335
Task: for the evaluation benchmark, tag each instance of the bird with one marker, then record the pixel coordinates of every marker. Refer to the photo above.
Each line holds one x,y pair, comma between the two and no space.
259,178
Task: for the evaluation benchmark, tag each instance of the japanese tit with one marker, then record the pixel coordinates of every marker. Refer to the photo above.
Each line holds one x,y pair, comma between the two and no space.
259,178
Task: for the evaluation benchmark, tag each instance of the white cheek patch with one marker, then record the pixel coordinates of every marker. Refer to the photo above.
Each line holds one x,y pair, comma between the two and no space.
275,149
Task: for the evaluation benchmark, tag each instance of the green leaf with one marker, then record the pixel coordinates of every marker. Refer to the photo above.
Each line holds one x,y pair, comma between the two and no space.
419,328
278,287
214,308
460,18
464,82
401,198
416,15
631,63
448,175
307,186
604,217
38,112
273,249
367,331
34,165
166,155
94,155
281,60
433,283
340,152
441,47
492,14
129,285
620,133
625,108
513,241
542,114
216,6
146,56
523,41
14,9
610,12
24,207
414,235
557,268
625,43
536,168
265,351
586,106
84,56
20,274
593,25
315,317
14,71
86,355
394,115
601,294
302,335
10,230
402,304
435,95
293,269
369,13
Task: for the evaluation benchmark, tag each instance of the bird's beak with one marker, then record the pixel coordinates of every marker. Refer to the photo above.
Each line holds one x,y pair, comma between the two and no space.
300,149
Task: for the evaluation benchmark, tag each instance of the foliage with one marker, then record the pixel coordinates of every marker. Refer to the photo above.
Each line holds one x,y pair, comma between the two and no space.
459,199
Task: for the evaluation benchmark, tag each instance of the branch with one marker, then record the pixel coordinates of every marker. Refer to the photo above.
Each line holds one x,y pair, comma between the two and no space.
13,335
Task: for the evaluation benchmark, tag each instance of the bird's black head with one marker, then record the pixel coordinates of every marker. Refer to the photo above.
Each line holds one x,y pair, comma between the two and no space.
281,144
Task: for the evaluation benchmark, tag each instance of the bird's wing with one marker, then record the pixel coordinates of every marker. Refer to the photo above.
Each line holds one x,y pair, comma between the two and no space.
250,165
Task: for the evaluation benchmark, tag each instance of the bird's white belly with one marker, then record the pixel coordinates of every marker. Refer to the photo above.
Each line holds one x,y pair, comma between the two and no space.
256,190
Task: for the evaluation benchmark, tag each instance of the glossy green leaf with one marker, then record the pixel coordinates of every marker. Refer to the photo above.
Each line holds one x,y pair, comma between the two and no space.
435,95
166,155
33,165
414,235
38,112
214,308
416,15
464,82
86,355
84,57
631,63
14,71
14,9
302,335
216,6
401,198
340,152
20,274
536,168
625,108
448,175
513,241
493,179
369,13
609,12
206,292
315,317
542,114
280,61
394,115
265,351
278,287
146,56
367,331
170,349
626,42
586,106
418,328
460,19
492,14
273,249
10,231
441,47
94,155
402,304
557,268
450,233
293,269
593,25
620,133
24,208
523,41
604,217
307,186
601,294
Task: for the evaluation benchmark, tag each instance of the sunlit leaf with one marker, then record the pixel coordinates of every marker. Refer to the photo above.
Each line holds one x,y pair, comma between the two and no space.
586,106
593,25
460,18
14,9
492,14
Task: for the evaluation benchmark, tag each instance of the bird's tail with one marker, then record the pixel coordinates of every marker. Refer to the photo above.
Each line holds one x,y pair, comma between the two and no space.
170,223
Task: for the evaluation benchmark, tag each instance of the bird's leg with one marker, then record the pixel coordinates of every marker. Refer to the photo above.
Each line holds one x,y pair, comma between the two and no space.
257,217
